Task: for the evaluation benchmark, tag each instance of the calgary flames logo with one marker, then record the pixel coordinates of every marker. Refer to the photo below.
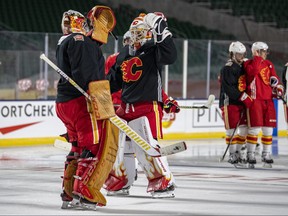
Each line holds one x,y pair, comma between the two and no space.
265,75
127,69
242,83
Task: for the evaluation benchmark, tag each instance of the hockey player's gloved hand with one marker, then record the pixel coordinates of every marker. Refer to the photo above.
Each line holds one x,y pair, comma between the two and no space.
157,22
171,106
279,90
246,99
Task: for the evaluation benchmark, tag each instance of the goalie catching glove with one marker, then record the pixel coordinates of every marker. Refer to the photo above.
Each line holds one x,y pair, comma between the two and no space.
246,99
171,105
157,22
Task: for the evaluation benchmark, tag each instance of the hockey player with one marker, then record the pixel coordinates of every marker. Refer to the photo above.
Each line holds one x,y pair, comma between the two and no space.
233,100
110,61
137,73
262,81
284,81
93,152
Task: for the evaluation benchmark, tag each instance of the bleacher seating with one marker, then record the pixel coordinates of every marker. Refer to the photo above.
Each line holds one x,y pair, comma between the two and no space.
33,16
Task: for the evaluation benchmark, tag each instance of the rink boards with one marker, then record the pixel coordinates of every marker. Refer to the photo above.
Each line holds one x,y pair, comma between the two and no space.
33,122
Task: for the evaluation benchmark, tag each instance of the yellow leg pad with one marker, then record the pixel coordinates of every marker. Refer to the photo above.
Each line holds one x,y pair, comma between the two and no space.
68,179
101,99
105,164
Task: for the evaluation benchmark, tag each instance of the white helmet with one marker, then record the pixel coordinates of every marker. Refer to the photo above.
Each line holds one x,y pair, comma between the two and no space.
126,36
139,31
237,47
259,46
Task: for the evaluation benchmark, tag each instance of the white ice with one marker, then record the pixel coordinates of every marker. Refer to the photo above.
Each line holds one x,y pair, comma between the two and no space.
30,184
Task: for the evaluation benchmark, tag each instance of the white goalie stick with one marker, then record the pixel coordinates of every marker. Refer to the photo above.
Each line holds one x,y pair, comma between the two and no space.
155,152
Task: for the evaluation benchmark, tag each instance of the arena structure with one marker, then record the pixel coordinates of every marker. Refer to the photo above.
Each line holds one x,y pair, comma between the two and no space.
203,31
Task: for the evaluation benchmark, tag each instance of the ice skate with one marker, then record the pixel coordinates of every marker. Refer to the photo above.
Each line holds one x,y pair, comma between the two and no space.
166,193
241,160
251,160
122,192
258,149
267,160
233,159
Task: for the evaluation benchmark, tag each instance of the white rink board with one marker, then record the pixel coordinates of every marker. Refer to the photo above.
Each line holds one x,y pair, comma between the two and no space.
16,115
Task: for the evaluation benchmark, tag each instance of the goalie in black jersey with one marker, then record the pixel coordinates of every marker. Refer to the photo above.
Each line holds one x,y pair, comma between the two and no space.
138,73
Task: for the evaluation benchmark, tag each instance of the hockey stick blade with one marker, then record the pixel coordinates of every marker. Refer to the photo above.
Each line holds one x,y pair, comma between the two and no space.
173,149
164,151
60,144
207,105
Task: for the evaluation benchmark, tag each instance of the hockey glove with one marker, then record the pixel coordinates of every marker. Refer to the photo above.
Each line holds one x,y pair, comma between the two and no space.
171,106
157,22
246,99
278,90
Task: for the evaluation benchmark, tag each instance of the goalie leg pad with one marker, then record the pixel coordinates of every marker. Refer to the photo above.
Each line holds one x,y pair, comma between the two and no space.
123,172
97,171
153,167
101,99
68,178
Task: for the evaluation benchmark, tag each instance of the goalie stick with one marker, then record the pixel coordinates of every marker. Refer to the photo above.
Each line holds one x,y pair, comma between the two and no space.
143,144
164,151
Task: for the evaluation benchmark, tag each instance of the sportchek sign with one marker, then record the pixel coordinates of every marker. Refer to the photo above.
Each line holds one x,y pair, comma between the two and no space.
25,119
38,119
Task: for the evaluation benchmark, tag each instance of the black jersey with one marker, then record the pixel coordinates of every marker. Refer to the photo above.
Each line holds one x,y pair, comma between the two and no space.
81,59
233,83
139,76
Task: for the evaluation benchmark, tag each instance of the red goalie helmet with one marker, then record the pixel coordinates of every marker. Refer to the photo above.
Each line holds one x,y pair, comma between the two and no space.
73,21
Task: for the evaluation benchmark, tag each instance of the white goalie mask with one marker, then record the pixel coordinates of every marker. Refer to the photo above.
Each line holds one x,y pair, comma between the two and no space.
259,46
140,32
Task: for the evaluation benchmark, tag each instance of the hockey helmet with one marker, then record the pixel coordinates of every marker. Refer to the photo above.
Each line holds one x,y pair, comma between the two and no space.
126,38
73,21
237,47
259,46
140,31
101,22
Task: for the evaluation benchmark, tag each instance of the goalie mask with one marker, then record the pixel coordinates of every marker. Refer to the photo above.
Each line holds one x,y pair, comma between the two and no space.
101,21
72,22
140,32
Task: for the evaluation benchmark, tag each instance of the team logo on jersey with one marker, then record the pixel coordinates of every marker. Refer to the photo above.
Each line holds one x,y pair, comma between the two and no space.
265,75
130,69
242,83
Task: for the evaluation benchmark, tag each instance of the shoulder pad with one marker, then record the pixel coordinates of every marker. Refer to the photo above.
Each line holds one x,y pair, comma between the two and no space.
229,63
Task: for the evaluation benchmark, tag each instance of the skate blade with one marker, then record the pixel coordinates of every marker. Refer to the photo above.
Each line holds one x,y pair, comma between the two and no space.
77,204
161,195
118,193
267,165
239,166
